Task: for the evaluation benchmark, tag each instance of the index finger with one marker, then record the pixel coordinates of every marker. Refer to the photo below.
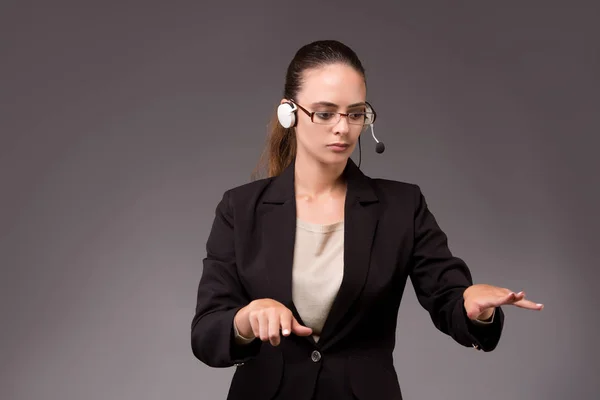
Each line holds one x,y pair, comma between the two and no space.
528,304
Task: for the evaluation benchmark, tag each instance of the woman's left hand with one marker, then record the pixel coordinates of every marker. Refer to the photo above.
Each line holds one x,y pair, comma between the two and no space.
480,300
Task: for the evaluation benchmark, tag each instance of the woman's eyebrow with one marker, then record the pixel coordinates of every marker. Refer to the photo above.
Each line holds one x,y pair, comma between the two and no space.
329,104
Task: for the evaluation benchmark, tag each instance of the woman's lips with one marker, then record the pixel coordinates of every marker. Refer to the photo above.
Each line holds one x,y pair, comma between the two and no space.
338,146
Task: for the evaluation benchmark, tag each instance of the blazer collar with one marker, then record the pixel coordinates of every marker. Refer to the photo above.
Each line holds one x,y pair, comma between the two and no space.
282,188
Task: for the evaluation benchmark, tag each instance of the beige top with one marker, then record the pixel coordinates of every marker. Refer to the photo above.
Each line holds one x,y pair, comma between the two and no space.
317,271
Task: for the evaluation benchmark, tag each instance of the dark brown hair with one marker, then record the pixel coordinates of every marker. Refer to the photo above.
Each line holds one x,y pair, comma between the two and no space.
280,149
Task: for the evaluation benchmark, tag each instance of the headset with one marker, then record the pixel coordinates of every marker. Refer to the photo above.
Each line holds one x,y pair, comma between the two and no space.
286,114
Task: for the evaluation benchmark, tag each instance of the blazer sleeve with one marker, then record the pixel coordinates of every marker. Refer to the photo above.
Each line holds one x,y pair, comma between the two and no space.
439,280
220,295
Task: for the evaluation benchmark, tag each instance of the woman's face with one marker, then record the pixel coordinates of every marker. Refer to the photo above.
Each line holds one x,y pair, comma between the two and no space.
333,88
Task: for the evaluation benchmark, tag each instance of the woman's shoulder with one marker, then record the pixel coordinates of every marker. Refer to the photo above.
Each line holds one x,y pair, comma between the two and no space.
393,184
395,187
244,193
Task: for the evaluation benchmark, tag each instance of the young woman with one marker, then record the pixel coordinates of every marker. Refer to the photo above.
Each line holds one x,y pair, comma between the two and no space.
305,269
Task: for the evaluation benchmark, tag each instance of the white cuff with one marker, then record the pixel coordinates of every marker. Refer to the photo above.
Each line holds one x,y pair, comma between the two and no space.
239,338
482,322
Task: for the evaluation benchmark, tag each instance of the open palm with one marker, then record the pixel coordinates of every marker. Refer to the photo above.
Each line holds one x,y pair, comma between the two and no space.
481,299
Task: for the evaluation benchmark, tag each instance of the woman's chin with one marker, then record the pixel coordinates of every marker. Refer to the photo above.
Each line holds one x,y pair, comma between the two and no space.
336,158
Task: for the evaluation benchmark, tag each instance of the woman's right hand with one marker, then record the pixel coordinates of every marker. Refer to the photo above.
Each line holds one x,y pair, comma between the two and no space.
264,318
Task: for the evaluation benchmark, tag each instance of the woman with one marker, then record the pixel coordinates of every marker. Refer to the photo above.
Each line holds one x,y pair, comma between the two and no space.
305,269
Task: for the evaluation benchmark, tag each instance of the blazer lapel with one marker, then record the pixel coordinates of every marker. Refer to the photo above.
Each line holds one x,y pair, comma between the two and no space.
360,223
279,235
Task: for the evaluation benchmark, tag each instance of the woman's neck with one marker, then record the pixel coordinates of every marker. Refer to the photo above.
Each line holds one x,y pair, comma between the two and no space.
314,179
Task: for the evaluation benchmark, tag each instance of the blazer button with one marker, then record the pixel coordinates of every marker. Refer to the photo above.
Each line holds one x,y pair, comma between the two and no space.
315,356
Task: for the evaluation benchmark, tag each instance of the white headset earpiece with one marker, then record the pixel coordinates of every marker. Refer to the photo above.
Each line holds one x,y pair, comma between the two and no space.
286,113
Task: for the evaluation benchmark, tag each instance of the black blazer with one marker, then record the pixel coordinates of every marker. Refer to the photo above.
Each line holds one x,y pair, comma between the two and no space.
390,235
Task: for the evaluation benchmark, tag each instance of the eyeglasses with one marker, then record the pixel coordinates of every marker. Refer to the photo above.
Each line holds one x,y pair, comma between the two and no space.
331,118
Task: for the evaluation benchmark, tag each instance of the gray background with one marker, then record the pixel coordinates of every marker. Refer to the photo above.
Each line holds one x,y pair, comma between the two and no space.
122,124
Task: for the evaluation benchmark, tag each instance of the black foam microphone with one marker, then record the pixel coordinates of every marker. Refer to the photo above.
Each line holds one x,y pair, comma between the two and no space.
379,147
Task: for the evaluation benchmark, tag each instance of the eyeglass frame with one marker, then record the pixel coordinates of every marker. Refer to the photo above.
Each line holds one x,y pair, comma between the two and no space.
312,113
